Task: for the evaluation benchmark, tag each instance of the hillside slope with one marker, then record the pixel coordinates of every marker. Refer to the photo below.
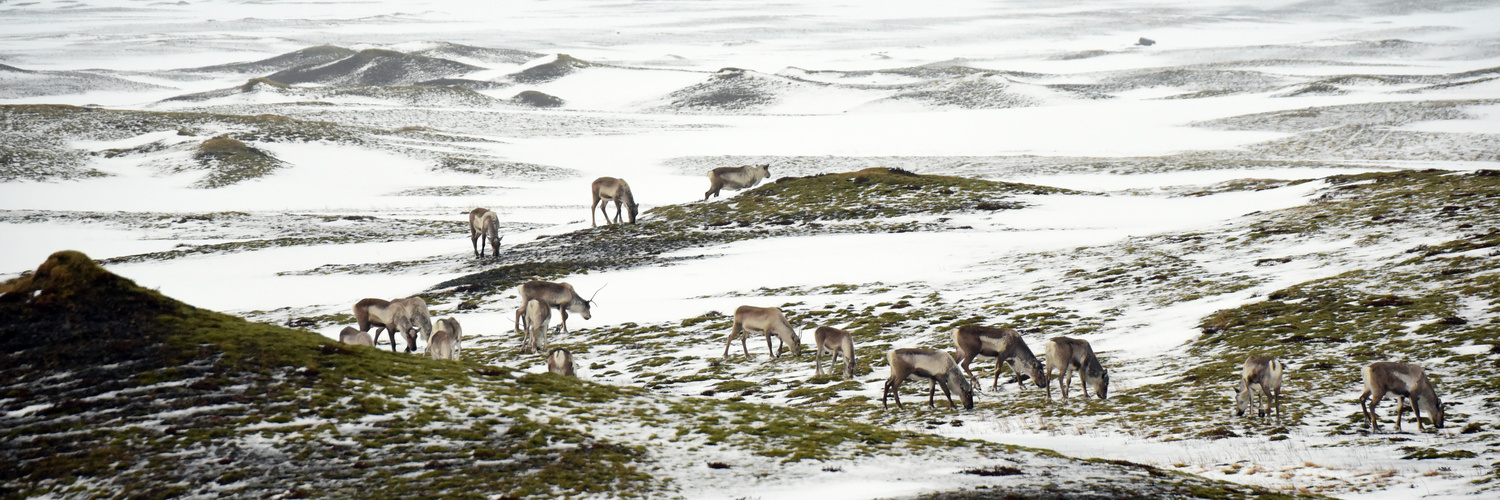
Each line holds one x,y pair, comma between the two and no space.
109,388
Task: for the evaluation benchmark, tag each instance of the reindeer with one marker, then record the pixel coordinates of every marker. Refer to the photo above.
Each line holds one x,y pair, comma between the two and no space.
483,223
936,367
1261,374
558,295
834,341
1406,381
447,338
560,361
616,190
736,178
443,342
537,316
409,314
1073,354
767,321
353,336
1003,344
375,313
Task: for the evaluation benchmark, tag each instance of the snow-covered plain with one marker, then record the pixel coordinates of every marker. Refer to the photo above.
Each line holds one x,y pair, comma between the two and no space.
828,91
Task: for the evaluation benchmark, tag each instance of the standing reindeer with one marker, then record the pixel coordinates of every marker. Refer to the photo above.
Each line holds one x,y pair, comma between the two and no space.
353,336
1069,355
611,189
375,313
935,366
767,321
736,178
560,361
484,227
558,295
1406,381
1003,344
836,342
1261,377
537,316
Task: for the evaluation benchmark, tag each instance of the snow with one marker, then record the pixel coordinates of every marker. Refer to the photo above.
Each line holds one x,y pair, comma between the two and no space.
658,48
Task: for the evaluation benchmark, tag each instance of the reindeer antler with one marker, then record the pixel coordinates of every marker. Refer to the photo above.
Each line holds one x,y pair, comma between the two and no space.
596,294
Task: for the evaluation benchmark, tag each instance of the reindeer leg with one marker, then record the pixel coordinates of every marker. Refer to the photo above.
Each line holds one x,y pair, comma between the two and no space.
735,330
965,365
1048,371
1400,410
1276,396
931,392
1416,413
1067,381
1364,400
948,394
818,361
562,312
775,353
1374,401
995,384
594,221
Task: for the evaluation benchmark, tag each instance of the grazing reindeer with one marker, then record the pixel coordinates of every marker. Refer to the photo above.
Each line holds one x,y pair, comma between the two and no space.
408,315
483,223
834,341
767,321
537,316
353,336
1406,381
560,361
559,295
616,190
936,367
375,313
736,178
1261,374
447,338
1073,354
1003,344
443,342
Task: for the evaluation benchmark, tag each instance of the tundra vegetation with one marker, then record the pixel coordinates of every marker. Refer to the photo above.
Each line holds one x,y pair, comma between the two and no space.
249,409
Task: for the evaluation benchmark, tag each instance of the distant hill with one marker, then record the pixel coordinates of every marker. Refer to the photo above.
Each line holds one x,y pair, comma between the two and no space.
564,65
422,94
322,54
446,50
734,90
18,83
375,67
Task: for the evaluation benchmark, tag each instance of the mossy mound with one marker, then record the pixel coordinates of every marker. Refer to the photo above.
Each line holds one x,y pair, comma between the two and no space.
789,206
114,389
230,161
537,99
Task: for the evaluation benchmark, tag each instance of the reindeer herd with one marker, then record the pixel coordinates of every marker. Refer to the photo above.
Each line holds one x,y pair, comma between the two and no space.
1261,378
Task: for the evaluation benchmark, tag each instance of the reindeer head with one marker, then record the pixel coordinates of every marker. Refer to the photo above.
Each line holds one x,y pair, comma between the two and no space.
1434,408
1102,389
1035,371
958,383
1241,400
635,208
